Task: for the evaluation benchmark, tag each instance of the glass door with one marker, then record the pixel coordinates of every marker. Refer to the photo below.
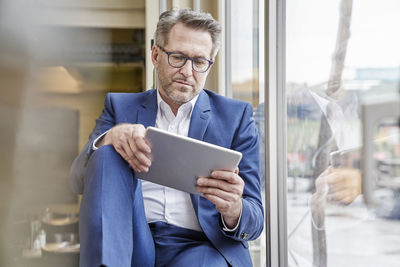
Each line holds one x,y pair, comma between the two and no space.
342,55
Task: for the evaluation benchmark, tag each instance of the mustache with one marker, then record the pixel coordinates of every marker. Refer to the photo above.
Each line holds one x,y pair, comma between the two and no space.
185,81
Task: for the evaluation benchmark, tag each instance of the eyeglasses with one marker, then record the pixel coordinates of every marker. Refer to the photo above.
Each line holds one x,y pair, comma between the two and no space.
178,60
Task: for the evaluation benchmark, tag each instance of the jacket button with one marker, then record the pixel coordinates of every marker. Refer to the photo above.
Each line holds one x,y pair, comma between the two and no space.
244,235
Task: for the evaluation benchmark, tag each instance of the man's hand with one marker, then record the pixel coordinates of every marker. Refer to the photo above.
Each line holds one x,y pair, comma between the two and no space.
225,190
343,184
130,142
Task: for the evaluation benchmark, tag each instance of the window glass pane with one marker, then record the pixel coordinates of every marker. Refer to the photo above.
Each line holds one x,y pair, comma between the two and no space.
246,57
339,55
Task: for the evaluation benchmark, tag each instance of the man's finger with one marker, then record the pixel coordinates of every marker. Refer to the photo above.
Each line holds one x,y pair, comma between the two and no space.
339,196
227,176
144,159
142,145
211,182
226,196
127,149
138,166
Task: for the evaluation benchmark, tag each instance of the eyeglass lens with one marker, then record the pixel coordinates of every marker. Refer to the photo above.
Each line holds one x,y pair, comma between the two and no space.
177,60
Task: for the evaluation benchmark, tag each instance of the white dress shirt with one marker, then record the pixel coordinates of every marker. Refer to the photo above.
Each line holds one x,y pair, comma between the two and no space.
162,203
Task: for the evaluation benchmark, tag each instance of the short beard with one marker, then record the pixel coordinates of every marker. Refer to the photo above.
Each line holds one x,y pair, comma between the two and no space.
175,95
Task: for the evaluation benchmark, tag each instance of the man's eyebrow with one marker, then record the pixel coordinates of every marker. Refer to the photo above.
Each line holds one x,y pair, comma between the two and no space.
196,56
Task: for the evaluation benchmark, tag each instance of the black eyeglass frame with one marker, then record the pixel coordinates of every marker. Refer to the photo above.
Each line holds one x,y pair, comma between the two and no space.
210,62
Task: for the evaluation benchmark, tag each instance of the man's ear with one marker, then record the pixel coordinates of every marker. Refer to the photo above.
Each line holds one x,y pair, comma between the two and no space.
155,56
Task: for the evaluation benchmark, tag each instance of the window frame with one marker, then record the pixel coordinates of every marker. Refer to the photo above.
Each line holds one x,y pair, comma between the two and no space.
275,143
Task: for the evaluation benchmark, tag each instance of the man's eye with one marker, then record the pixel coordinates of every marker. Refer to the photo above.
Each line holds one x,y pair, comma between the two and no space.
177,57
200,62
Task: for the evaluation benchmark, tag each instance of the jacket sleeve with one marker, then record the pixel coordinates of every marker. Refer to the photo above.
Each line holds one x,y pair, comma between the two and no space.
105,122
246,141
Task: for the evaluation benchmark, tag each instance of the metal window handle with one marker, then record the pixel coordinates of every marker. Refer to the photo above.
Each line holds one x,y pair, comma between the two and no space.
373,112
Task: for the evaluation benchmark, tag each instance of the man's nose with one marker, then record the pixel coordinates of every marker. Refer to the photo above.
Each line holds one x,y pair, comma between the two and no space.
186,69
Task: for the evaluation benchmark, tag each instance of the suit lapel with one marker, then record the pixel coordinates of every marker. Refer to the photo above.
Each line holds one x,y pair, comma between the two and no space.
198,125
200,117
147,112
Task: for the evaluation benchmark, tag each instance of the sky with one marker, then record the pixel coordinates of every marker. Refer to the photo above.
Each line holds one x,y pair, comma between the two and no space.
311,31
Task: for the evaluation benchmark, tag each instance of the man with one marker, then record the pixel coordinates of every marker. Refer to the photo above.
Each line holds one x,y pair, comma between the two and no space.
128,222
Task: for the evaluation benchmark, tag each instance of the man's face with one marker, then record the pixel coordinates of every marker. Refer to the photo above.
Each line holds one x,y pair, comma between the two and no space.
180,85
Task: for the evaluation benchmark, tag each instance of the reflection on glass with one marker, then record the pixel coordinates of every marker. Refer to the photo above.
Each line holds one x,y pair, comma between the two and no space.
386,169
333,65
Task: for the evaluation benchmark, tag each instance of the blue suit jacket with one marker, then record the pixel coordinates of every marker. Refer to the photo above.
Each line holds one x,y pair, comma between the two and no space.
217,120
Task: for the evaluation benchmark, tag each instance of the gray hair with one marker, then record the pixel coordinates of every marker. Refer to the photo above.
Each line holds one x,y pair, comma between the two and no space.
191,19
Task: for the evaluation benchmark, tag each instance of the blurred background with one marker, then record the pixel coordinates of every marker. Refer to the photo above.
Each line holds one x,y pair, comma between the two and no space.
58,59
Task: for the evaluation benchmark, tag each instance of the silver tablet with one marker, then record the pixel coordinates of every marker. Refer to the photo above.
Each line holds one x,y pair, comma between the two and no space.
178,160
